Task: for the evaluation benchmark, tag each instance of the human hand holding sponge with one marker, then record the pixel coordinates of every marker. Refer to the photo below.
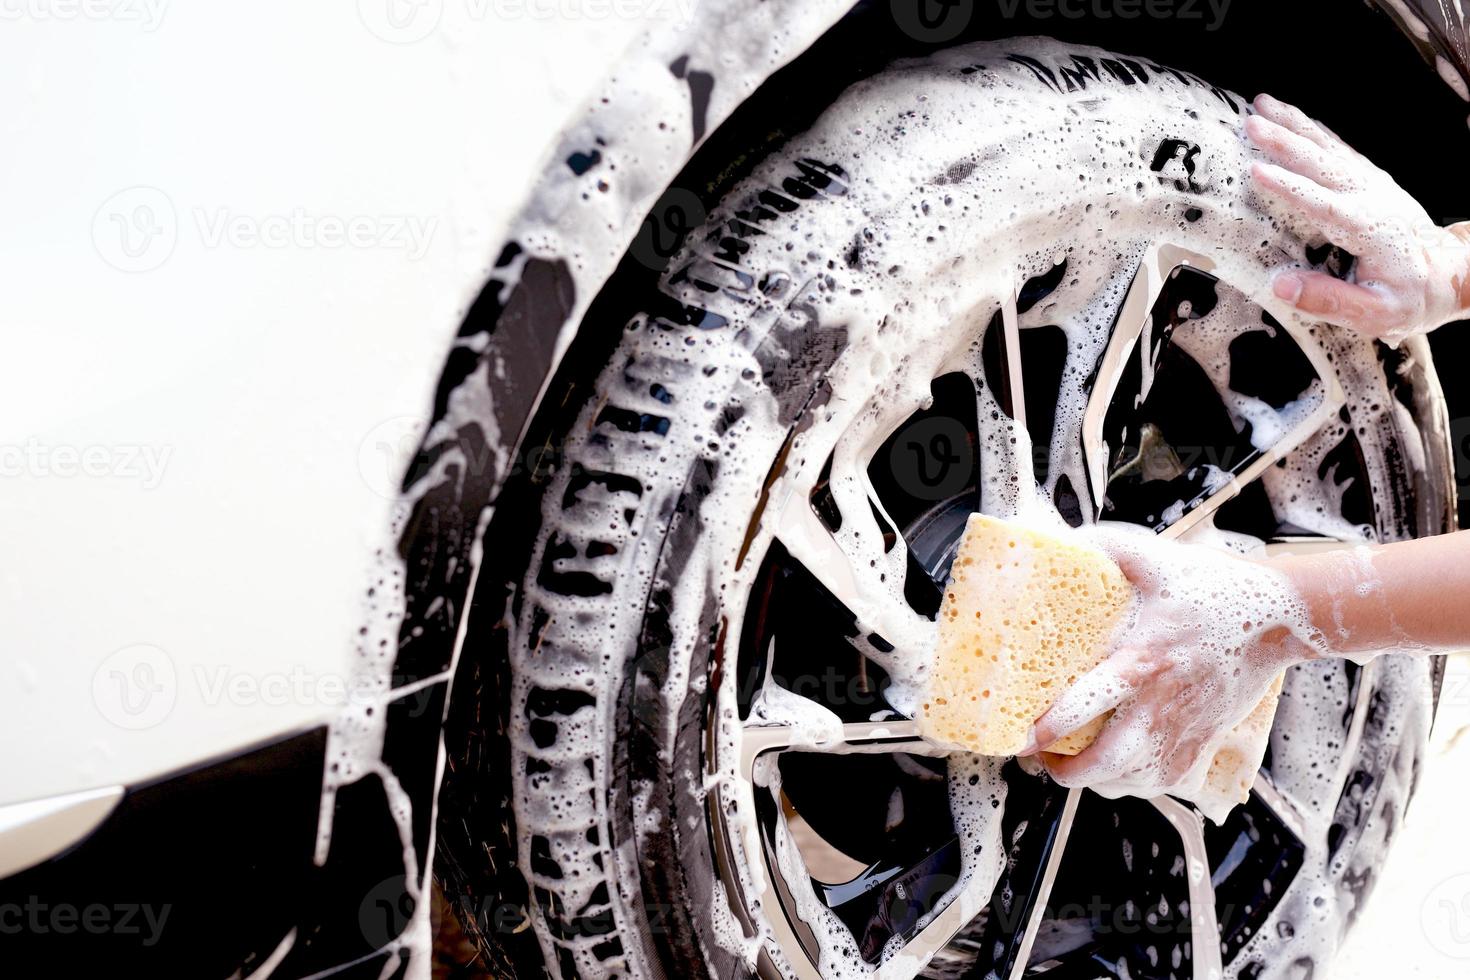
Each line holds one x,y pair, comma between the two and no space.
1084,647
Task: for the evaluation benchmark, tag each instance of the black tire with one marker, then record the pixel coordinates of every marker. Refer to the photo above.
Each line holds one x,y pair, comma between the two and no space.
619,628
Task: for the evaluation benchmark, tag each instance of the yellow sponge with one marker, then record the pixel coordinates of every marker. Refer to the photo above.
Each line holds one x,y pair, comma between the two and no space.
1233,770
1025,614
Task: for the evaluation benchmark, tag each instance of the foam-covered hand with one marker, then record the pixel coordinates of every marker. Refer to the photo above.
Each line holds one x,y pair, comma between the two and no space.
1410,275
1204,641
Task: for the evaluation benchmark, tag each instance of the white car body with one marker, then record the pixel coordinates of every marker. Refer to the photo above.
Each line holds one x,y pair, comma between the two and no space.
202,428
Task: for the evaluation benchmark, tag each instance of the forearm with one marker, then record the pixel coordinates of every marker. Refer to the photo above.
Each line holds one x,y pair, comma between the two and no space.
1411,595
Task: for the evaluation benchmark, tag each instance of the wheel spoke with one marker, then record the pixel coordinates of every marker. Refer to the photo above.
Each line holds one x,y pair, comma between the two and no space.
1282,806
994,364
1207,504
1132,322
1354,738
1010,391
1204,928
1133,337
1056,849
1015,464
758,741
1035,832
853,566
1010,322
900,735
916,954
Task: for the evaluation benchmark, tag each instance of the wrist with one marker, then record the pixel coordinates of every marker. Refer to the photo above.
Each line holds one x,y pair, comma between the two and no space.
1460,276
1301,576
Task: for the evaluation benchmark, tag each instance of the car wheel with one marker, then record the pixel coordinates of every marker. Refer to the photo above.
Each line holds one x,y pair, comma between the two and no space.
1008,275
